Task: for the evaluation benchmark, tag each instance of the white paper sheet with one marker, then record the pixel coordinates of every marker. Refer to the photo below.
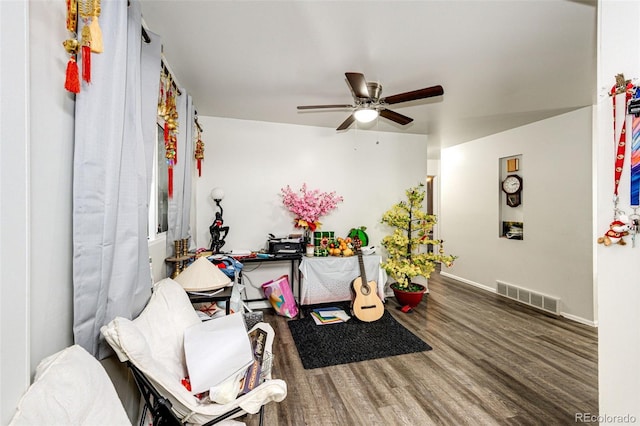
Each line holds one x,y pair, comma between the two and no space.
216,350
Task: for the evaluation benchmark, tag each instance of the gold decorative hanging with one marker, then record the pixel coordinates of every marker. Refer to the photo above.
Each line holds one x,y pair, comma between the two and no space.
91,41
72,80
199,151
168,112
94,28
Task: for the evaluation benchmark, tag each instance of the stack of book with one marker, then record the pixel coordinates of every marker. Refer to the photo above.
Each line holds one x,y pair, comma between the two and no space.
330,315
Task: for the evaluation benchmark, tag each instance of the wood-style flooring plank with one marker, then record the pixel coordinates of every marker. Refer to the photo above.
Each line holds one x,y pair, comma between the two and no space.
494,362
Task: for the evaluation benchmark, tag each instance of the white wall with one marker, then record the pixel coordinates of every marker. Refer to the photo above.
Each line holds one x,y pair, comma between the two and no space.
51,166
37,116
555,256
618,269
14,205
252,161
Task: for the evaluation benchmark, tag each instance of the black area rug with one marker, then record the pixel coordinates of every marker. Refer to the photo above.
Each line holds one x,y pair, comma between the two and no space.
351,341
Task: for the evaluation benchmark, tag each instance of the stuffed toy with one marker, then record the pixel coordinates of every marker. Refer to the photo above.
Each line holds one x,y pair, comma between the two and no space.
617,230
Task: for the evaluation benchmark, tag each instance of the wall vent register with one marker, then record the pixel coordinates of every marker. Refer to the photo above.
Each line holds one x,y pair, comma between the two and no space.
528,297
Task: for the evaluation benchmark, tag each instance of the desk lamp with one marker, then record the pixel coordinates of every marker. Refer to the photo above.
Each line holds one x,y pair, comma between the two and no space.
217,230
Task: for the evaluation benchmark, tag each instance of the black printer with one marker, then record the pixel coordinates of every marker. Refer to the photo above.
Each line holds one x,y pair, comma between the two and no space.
284,246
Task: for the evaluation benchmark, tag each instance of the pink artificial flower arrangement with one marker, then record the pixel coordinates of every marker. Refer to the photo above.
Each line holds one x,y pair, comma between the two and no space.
309,205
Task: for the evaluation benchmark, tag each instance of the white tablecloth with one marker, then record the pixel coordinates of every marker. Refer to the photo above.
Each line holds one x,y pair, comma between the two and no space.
328,279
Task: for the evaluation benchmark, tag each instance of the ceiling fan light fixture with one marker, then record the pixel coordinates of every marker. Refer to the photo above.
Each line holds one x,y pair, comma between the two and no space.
366,115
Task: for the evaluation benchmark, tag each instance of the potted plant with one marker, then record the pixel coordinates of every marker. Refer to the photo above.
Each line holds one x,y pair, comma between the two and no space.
407,257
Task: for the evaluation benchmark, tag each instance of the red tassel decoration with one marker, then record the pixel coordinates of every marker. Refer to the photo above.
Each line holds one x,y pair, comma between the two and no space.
170,184
199,167
72,82
86,63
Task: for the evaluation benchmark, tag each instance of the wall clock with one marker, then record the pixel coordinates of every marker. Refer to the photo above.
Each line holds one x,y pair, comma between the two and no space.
512,186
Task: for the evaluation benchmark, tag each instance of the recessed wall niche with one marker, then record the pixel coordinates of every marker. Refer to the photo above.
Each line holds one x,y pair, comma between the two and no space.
511,198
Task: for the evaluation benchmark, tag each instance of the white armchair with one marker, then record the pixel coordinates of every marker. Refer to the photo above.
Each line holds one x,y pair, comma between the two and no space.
70,388
152,345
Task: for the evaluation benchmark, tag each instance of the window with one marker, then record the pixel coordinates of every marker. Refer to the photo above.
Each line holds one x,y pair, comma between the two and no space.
159,200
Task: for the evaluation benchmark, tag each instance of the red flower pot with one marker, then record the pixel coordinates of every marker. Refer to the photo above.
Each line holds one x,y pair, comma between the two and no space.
410,298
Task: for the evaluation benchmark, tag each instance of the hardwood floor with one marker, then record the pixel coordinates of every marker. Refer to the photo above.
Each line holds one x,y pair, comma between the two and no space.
494,362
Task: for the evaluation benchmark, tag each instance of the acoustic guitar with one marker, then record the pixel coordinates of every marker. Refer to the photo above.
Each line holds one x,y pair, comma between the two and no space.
366,305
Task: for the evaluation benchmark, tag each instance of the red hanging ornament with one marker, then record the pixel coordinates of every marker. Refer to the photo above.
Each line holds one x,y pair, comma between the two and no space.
199,151
86,63
72,82
170,183
86,54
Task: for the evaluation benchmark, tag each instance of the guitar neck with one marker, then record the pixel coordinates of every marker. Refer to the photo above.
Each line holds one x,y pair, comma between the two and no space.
363,274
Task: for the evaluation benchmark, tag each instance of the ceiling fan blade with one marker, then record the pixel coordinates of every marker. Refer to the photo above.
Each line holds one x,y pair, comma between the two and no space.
324,106
427,92
358,84
394,116
346,123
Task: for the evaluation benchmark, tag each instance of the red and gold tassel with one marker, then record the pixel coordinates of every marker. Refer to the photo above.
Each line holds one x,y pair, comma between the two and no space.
86,54
167,111
72,80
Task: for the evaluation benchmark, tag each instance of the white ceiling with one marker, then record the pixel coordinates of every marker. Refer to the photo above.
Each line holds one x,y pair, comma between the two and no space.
502,63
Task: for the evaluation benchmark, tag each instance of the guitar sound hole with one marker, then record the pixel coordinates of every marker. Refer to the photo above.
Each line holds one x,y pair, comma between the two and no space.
365,290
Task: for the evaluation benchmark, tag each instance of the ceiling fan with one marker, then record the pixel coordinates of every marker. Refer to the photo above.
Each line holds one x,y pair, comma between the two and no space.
367,103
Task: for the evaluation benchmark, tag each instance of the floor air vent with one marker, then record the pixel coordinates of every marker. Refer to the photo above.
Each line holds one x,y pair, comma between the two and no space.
528,297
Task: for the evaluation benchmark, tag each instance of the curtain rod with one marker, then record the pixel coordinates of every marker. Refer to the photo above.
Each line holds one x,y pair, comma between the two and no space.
147,39
145,36
166,69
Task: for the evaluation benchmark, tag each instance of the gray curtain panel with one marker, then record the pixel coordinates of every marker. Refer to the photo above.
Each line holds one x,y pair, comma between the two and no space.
111,178
179,208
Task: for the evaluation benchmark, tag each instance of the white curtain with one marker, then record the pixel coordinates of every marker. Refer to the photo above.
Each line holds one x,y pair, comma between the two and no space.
112,175
179,208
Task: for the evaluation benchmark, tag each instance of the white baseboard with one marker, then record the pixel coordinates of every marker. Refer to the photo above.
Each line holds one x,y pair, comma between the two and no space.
579,319
466,281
